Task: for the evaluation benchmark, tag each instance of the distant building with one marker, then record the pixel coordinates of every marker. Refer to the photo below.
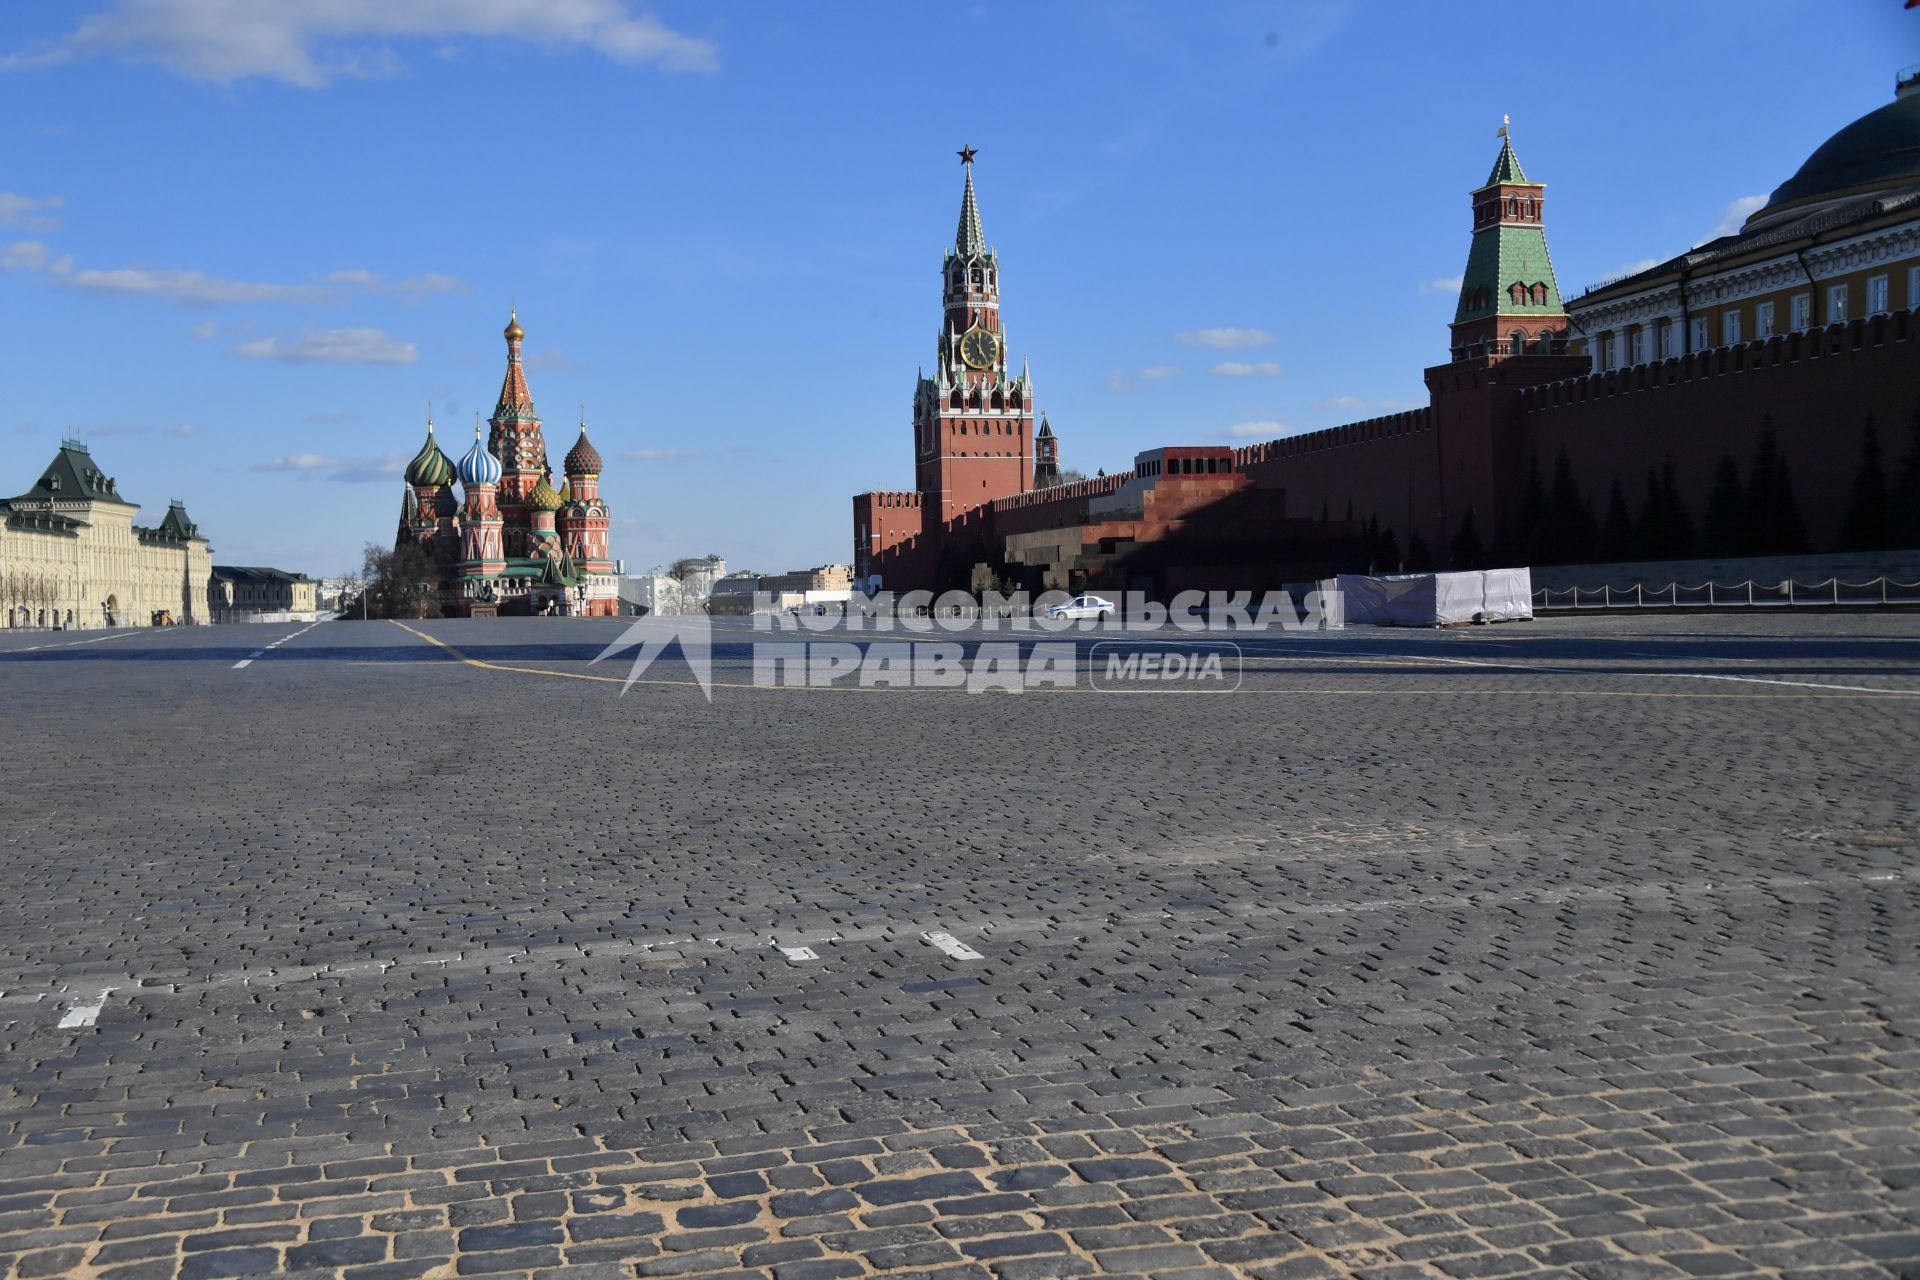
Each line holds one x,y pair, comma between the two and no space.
682,589
71,556
826,577
243,593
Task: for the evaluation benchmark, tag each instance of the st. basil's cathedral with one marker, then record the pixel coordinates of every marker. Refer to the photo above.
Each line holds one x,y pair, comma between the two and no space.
511,543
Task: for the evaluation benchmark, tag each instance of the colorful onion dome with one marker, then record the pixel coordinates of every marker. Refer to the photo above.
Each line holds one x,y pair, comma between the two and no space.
513,331
479,466
430,466
542,497
583,459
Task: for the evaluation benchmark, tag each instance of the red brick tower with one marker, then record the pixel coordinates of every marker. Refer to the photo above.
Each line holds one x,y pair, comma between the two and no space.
972,420
516,441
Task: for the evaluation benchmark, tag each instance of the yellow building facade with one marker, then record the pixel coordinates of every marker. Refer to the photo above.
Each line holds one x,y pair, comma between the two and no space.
71,555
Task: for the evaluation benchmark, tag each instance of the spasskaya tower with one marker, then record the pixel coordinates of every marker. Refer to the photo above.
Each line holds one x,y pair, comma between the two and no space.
973,419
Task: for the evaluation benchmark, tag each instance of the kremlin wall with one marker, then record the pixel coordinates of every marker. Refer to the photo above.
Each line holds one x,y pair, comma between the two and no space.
1678,411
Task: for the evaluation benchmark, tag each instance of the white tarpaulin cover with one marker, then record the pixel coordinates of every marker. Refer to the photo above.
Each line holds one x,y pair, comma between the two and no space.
1438,599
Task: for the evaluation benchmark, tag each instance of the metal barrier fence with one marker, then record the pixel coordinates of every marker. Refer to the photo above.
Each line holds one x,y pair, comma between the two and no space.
1784,594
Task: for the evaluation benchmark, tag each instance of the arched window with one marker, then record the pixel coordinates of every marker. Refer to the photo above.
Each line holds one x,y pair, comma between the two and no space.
1539,295
1516,342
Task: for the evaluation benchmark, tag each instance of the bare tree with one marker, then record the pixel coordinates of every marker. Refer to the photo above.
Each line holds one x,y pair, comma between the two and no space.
401,583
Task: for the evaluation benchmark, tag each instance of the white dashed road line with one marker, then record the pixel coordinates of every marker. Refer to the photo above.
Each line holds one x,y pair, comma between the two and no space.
84,1015
261,653
952,946
68,644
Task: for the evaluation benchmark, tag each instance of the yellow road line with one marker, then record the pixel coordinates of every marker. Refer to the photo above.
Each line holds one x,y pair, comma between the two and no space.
1292,692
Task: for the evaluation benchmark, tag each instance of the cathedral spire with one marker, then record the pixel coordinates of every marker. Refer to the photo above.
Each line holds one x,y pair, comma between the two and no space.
515,400
969,241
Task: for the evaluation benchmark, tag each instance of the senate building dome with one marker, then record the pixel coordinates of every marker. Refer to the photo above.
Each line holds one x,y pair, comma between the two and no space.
1877,154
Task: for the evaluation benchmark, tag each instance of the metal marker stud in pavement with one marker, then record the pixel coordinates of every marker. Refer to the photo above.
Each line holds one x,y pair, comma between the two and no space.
953,946
797,954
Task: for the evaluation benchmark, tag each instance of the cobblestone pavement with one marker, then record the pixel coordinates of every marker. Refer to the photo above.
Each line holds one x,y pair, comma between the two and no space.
1586,947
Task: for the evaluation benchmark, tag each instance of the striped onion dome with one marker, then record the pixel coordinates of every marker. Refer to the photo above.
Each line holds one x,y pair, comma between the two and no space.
430,466
542,497
583,459
479,466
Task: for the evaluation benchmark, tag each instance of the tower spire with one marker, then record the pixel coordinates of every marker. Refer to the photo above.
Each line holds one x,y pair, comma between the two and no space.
969,241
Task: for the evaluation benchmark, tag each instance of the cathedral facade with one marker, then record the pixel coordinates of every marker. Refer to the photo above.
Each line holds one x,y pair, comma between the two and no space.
510,543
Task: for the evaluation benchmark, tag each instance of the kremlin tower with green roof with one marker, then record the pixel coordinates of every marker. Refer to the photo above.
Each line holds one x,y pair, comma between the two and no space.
511,543
1509,300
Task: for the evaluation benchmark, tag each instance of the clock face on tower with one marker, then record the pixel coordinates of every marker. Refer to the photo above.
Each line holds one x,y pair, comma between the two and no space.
978,348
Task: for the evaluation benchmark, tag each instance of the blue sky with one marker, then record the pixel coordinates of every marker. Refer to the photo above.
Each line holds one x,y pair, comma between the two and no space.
244,245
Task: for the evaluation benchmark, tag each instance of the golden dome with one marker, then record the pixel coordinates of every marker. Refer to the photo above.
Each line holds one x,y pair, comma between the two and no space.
514,331
543,498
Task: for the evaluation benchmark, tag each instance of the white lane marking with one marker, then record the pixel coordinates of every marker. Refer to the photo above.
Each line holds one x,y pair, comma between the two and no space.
1797,684
797,954
83,1015
1658,675
68,644
261,653
953,946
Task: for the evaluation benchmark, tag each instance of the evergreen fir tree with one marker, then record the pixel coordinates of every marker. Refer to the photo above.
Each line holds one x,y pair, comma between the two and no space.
1903,516
1726,530
1680,539
1468,551
1419,559
1650,533
1865,527
1773,524
1386,555
1527,522
1616,531
1568,535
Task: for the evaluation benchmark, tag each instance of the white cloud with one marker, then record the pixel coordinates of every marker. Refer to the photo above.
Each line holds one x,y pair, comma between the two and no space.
660,455
1359,404
412,286
1736,214
310,43
194,288
551,358
24,255
1631,268
1153,373
298,462
185,431
29,213
1226,338
1241,369
1125,384
333,346
206,329
198,289
384,467
1254,430
1445,284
